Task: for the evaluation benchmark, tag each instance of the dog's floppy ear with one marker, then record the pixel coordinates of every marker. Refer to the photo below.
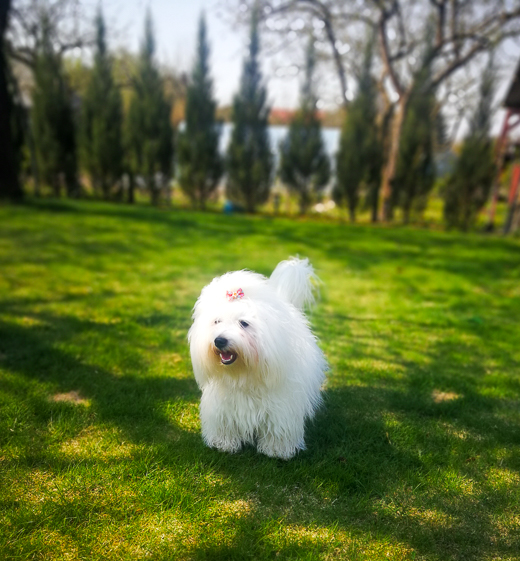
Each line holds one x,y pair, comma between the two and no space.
295,281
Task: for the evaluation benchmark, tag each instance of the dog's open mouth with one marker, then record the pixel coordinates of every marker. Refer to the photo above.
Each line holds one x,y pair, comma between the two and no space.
227,357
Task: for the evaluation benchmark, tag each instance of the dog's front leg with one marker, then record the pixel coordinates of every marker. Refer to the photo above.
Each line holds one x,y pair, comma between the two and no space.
281,440
218,430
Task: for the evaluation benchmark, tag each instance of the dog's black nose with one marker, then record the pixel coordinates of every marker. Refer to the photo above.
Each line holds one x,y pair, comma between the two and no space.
221,343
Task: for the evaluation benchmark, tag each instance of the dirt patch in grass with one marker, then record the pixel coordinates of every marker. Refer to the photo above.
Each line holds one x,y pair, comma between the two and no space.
441,397
70,397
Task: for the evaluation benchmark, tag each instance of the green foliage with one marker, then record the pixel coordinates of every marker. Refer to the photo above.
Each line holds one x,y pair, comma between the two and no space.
304,164
101,134
149,134
53,118
415,170
415,454
249,158
18,123
467,189
200,164
360,156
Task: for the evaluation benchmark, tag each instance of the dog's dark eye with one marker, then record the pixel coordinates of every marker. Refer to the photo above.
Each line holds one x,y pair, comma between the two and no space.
243,323
217,321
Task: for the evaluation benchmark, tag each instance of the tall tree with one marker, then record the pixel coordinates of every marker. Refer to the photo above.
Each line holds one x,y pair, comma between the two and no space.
53,118
467,188
360,154
148,128
304,164
250,161
415,171
101,143
10,187
200,164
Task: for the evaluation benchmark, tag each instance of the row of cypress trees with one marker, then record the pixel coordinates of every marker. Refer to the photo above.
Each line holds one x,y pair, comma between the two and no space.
52,118
92,132
140,144
249,162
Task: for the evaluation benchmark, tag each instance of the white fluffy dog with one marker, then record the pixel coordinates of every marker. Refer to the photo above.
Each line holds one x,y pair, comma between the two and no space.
256,360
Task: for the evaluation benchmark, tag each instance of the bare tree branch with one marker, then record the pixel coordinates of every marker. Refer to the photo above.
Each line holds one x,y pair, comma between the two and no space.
69,27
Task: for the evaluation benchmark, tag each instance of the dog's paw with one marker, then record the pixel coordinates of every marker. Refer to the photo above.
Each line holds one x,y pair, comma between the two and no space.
279,449
230,445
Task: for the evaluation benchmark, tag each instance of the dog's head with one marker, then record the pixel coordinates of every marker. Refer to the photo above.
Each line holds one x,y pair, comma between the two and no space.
238,328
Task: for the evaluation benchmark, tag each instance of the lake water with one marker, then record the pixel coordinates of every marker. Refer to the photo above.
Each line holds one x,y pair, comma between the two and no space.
278,132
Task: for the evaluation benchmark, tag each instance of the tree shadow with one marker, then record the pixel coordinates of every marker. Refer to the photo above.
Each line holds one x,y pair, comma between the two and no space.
126,400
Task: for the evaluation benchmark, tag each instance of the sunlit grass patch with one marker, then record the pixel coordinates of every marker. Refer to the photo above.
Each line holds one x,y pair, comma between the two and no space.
414,455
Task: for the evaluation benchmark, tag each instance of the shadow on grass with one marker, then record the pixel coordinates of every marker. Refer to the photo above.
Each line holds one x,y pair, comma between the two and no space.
359,247
124,400
384,458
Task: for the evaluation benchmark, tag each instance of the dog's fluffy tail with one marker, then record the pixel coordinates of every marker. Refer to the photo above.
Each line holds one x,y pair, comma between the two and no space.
295,281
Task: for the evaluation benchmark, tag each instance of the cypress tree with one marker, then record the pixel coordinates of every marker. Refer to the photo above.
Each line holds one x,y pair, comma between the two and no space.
467,188
53,118
200,164
304,164
101,143
249,158
149,132
360,156
415,172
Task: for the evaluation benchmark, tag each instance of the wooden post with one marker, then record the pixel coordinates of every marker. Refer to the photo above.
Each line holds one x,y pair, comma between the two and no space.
513,196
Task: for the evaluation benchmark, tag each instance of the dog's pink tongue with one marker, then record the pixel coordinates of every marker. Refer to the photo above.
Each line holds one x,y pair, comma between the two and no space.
226,356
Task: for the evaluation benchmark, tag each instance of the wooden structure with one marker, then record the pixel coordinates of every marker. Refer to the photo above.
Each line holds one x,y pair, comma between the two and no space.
511,121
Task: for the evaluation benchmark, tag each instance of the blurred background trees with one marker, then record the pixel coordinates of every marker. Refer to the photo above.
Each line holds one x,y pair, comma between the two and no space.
149,132
249,157
468,186
200,163
102,119
462,32
304,164
407,73
360,155
415,168
52,117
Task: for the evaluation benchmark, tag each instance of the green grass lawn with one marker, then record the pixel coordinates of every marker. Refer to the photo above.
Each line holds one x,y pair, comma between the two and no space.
415,454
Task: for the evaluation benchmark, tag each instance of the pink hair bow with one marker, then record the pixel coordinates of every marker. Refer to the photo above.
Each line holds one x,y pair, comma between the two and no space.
235,295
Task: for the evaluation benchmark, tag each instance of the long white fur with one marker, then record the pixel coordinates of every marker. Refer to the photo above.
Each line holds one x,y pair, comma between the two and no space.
295,280
266,395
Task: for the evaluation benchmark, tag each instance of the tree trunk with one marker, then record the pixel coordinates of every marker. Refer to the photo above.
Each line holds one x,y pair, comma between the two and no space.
56,185
374,206
34,162
406,214
71,185
304,200
105,189
10,187
250,204
202,198
154,191
389,169
131,188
